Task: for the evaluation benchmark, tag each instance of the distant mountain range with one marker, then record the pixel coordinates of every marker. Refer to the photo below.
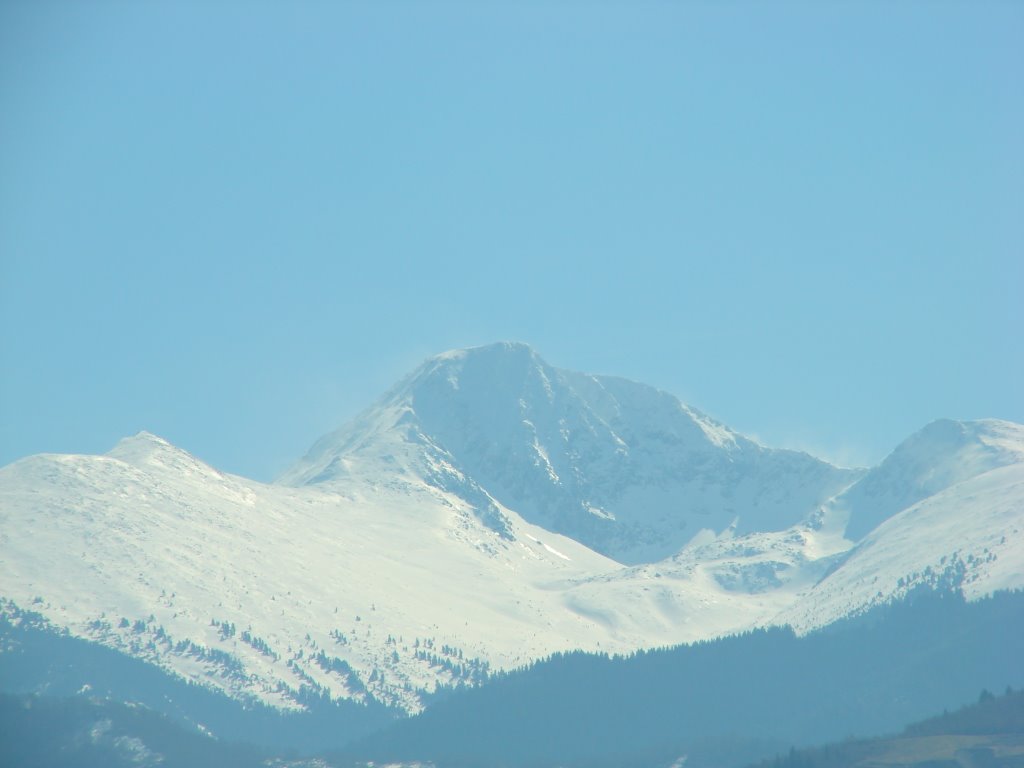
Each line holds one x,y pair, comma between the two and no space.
486,512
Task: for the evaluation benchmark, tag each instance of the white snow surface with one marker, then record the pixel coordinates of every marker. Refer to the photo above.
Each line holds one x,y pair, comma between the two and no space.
969,536
937,457
624,468
394,557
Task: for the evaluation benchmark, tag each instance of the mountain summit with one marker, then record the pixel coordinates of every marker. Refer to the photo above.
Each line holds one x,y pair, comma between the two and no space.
488,511
937,457
625,468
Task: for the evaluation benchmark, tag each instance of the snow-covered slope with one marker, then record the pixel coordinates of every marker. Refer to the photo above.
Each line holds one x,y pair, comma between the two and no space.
624,468
968,536
384,590
486,512
149,550
937,457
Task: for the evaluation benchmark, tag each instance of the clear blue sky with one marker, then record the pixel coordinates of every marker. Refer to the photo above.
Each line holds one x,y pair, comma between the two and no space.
235,224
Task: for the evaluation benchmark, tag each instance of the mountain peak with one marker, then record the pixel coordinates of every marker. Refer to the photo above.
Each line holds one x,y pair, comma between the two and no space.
146,450
623,467
950,434
489,366
494,349
951,450
939,455
141,443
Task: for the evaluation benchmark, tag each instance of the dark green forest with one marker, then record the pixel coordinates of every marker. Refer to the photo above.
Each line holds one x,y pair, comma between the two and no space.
35,659
80,732
730,701
765,697
987,734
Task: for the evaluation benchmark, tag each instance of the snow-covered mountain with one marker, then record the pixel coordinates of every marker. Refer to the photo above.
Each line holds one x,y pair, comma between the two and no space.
264,589
487,511
968,537
624,468
938,457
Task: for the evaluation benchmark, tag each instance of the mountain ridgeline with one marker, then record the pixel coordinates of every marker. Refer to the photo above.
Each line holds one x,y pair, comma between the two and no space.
490,511
624,468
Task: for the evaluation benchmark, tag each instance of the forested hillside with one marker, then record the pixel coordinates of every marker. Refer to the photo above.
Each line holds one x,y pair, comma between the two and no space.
730,701
989,733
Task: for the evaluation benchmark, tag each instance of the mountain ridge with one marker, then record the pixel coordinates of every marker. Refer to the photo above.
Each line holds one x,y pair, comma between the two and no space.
627,469
444,534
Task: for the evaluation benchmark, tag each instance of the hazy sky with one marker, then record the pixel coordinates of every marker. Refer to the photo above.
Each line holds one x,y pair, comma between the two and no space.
236,224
